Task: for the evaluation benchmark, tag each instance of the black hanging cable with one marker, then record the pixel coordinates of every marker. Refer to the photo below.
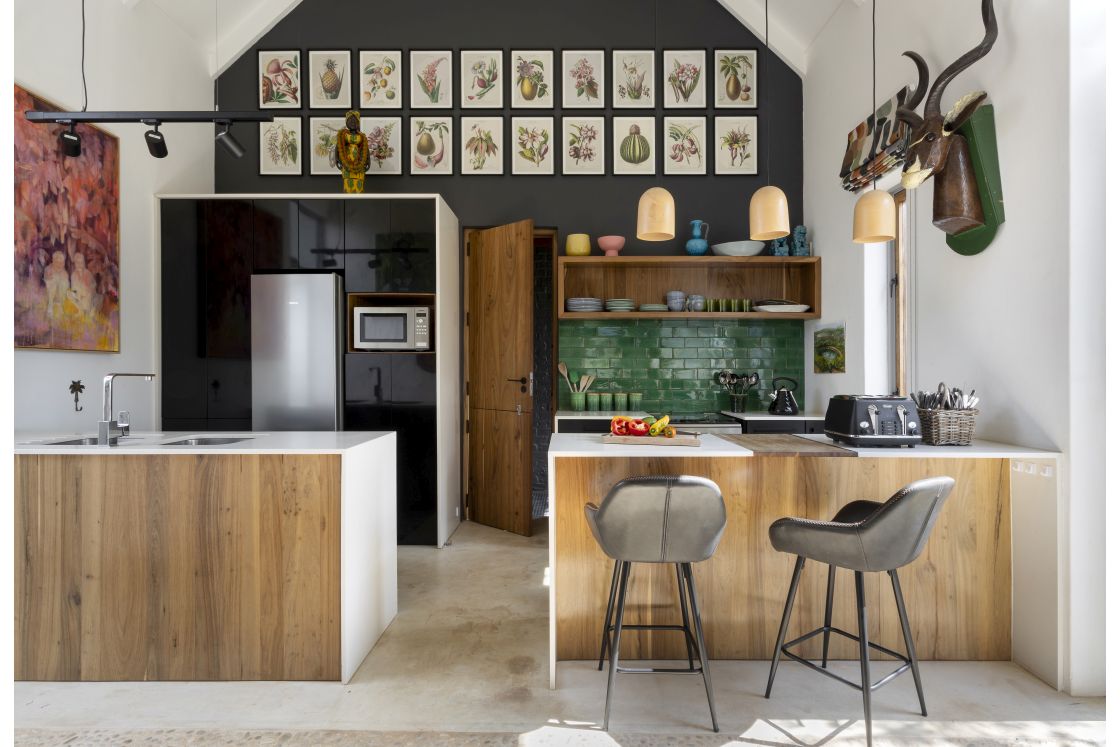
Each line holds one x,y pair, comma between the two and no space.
769,97
85,92
874,101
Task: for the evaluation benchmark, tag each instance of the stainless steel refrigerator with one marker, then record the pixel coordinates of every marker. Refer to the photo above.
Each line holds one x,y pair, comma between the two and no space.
297,338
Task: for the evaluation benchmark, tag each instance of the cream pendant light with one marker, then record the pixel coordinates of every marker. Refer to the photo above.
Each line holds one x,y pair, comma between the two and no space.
874,219
657,215
769,211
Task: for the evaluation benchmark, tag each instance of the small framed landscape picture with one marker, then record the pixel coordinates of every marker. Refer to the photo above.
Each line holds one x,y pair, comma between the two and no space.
684,73
280,147
280,79
736,145
432,79
584,142
383,134
530,79
531,143
481,84
323,143
686,145
483,145
584,78
433,145
329,82
735,81
634,78
634,138
379,74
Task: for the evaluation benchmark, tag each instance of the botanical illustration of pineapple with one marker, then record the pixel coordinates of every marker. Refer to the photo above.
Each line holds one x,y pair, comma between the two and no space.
331,80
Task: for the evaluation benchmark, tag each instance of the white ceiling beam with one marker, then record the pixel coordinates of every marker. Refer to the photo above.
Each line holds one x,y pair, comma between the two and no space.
752,14
240,36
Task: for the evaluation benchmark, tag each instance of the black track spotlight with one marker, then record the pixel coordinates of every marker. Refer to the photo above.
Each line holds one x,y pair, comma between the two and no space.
157,146
228,141
71,142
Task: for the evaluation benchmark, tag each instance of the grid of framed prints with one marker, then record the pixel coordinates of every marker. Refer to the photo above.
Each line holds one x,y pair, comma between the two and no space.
515,79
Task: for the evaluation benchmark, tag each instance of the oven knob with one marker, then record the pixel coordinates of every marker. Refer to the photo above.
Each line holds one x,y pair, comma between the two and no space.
864,427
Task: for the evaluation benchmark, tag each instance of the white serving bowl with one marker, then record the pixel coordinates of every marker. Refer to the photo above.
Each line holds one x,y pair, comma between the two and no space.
745,248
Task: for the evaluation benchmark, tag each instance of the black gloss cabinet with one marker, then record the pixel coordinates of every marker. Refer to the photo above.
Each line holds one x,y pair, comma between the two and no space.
210,249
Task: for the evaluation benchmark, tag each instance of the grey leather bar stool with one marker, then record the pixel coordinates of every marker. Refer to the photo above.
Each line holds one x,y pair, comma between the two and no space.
676,520
864,537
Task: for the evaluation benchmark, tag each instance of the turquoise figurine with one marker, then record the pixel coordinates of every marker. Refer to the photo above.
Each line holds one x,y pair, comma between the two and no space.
698,244
780,247
800,242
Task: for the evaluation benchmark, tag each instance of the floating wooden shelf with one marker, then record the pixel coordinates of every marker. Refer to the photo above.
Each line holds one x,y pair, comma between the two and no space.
647,279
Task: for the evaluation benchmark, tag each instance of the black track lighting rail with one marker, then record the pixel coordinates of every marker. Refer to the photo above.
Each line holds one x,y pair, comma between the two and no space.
149,118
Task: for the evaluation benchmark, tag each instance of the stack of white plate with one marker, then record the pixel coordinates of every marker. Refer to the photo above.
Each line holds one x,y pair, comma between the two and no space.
653,307
584,304
620,304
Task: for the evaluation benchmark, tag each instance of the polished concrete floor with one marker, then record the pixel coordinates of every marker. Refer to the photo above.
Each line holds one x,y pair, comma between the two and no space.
465,663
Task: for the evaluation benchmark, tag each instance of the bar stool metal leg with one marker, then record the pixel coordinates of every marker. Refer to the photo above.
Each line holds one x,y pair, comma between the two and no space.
604,646
864,663
797,567
620,610
827,616
684,617
905,621
703,647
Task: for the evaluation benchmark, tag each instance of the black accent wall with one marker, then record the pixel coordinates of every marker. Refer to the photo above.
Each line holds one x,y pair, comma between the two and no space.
587,204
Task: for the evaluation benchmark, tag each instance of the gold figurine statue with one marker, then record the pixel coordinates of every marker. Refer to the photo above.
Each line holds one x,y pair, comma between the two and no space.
353,154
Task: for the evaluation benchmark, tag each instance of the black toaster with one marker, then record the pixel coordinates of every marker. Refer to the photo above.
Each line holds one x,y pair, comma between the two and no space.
866,420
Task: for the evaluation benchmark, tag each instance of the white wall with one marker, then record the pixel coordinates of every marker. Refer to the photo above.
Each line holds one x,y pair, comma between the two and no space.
135,59
999,321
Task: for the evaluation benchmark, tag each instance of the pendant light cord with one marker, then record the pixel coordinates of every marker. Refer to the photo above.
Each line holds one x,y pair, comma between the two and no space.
769,97
85,91
874,100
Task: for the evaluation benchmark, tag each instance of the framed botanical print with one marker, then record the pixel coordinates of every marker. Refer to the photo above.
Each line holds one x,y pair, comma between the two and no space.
633,75
379,76
323,143
531,79
280,147
583,78
531,143
483,145
634,139
584,141
686,145
735,82
329,82
433,145
683,73
481,84
736,145
384,137
279,79
431,74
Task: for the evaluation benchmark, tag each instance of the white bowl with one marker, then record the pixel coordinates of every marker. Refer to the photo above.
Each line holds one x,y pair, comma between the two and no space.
745,248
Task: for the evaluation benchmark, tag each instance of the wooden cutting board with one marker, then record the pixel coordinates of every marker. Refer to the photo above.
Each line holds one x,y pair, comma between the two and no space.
610,438
786,444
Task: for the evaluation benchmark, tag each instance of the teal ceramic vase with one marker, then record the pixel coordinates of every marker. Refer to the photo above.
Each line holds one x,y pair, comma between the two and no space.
698,244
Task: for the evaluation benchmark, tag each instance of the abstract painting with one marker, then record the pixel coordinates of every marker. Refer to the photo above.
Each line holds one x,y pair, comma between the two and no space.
67,242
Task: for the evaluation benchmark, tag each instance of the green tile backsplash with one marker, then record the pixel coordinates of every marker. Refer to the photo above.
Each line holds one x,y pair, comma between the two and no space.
673,363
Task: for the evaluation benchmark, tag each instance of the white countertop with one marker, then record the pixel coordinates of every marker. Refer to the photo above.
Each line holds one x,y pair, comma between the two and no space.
762,415
976,450
591,445
279,442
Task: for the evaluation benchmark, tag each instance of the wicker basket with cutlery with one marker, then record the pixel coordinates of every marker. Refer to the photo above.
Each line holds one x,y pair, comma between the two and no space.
948,416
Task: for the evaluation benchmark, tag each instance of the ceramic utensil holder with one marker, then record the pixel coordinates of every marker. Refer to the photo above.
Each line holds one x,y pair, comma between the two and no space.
579,401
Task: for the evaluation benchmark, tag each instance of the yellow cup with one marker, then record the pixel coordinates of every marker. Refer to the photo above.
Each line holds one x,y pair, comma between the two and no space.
578,245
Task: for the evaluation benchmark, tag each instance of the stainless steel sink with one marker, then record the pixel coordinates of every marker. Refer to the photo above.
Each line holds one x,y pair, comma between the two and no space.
87,441
208,441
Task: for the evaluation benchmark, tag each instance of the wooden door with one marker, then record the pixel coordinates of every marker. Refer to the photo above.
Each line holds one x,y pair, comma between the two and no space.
499,376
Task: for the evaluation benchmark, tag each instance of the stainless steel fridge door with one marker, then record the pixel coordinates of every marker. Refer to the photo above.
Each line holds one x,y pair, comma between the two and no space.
296,352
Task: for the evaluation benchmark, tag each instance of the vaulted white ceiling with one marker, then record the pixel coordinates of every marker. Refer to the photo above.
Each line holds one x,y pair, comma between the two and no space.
226,28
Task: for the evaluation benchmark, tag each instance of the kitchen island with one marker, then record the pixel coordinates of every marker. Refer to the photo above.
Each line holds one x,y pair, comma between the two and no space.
214,556
959,592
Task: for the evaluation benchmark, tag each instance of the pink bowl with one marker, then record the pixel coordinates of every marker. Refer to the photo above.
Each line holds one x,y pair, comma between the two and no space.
611,245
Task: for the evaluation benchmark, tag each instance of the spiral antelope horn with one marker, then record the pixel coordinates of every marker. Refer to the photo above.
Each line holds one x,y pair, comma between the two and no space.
923,81
933,103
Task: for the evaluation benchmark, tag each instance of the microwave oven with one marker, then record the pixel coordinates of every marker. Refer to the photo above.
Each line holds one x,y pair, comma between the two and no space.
391,328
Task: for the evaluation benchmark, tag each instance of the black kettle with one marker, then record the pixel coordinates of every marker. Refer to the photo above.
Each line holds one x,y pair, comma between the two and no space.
784,403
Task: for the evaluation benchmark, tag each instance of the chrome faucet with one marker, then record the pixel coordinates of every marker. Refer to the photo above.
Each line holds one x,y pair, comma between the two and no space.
108,429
